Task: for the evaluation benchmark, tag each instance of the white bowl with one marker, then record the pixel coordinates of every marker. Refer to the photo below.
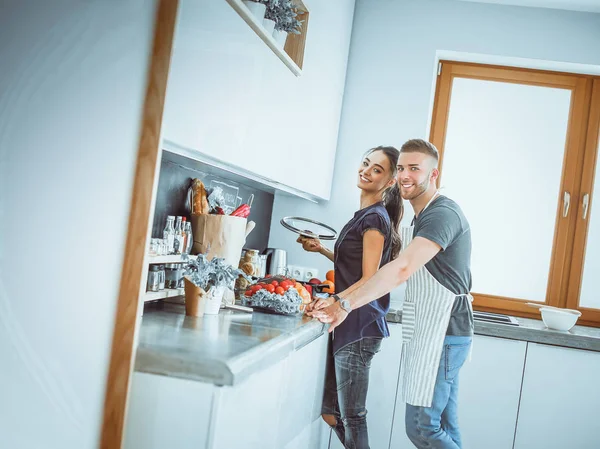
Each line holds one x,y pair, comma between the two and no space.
559,319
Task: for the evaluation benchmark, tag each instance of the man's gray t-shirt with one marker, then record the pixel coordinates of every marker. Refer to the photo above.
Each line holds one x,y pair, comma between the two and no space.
444,223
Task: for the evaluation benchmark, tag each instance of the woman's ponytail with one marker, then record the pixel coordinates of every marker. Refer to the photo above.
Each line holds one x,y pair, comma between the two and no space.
395,208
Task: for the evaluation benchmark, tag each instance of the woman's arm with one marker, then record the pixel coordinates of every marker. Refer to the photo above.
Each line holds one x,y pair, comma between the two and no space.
315,246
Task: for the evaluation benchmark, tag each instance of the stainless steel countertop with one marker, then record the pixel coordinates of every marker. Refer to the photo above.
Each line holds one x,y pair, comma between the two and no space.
535,331
225,349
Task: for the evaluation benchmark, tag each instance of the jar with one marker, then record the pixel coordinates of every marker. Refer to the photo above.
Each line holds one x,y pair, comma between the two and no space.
153,279
161,277
173,275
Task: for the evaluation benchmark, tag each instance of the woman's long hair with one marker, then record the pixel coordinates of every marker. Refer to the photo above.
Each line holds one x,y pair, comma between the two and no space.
392,199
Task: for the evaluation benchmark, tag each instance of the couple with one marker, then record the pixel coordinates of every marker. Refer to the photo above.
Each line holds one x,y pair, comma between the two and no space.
433,257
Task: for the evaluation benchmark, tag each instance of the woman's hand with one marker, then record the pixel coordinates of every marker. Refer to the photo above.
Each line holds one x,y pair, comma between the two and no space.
310,244
319,304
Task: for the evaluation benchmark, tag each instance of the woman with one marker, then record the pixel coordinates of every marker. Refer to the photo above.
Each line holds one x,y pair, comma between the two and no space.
366,243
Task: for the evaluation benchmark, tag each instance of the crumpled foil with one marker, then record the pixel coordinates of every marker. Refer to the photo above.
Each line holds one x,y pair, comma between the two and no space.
287,304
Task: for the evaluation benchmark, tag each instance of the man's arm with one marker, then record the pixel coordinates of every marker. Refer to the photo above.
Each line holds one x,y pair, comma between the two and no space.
418,253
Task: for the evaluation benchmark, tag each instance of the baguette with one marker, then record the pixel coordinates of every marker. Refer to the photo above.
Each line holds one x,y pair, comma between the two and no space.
200,202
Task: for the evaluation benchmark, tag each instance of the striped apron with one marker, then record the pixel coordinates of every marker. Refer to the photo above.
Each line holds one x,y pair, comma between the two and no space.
425,316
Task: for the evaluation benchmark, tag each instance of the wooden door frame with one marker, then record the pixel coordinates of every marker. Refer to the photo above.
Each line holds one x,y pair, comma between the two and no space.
122,350
562,247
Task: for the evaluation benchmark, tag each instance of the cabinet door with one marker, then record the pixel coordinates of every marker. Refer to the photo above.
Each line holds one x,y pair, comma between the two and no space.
166,412
488,398
248,414
230,98
381,399
302,395
559,403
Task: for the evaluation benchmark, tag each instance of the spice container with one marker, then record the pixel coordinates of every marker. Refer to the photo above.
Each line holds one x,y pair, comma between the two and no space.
173,275
153,279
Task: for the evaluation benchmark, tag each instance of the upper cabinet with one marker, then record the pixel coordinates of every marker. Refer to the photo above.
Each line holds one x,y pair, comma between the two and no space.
232,99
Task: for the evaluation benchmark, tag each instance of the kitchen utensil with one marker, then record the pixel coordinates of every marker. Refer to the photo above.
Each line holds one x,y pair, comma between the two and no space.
539,306
309,228
238,308
559,319
276,261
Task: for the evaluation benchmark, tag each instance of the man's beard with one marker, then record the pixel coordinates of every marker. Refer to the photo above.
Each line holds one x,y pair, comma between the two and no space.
416,191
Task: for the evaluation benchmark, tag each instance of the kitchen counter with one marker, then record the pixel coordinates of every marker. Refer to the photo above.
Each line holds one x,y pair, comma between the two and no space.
535,331
227,348
223,349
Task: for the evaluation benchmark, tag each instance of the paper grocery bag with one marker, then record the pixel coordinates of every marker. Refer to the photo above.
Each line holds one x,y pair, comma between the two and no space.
219,235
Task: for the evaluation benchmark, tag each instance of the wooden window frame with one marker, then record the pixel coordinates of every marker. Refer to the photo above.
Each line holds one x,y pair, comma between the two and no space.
567,251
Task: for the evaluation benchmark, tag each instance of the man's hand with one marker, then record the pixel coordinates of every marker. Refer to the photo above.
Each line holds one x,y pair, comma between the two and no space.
333,314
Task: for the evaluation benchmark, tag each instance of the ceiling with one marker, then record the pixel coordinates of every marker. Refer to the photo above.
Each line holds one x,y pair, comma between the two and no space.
573,5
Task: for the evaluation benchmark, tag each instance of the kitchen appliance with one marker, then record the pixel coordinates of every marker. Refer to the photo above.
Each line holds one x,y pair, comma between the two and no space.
276,261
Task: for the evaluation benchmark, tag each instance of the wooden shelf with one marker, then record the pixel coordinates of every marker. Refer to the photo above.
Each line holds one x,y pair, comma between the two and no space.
292,54
173,258
166,293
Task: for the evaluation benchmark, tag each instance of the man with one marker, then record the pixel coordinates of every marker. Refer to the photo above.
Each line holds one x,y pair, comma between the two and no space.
437,317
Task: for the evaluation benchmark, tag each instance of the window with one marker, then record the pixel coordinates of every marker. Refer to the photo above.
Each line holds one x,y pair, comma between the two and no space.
518,153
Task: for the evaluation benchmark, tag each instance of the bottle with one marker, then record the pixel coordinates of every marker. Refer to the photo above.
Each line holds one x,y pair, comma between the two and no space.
183,235
190,238
169,234
161,277
177,237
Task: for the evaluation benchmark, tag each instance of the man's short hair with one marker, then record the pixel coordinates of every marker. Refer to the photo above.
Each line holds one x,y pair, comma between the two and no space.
420,146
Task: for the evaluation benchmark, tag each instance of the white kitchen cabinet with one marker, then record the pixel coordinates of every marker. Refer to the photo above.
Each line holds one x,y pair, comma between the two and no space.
302,395
276,407
230,98
381,399
559,402
166,412
488,396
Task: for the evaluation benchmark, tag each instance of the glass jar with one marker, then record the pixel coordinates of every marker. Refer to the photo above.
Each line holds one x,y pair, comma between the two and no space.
153,279
173,275
161,277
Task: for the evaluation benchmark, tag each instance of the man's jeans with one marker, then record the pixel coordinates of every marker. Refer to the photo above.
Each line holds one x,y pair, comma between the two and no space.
436,427
346,384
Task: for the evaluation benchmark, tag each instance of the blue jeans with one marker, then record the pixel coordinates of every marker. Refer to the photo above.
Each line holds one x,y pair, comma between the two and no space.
436,427
346,385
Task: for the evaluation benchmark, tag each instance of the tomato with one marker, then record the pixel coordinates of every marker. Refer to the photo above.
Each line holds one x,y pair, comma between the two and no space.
248,293
275,283
257,287
270,288
279,291
284,283
287,287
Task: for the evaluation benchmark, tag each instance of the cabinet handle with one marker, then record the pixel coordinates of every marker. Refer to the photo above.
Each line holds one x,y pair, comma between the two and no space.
566,204
586,204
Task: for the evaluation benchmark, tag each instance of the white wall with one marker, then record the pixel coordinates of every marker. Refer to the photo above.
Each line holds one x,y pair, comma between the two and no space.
390,75
232,98
72,85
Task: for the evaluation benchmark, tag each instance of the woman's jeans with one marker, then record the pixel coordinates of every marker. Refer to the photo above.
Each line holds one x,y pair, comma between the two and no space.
346,385
436,427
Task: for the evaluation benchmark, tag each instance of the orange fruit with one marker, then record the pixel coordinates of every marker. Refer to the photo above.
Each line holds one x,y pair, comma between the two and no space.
330,276
331,288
